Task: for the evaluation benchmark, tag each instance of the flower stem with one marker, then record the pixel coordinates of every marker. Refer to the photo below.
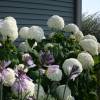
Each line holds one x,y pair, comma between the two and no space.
48,93
65,89
38,86
18,92
1,90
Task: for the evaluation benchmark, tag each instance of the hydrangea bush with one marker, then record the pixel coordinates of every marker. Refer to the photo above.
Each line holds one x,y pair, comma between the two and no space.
61,66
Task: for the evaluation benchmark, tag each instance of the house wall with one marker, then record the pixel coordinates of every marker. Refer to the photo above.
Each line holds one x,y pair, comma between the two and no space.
37,12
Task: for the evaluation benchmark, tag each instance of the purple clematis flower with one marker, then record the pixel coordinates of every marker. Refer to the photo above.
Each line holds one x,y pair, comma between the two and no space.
27,59
46,58
3,65
23,86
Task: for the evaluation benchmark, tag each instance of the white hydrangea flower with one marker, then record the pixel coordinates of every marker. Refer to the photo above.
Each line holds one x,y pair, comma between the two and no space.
26,88
89,45
48,45
24,47
37,33
68,66
9,28
41,94
78,35
60,91
56,22
8,77
24,32
99,47
86,60
90,37
54,73
11,19
71,28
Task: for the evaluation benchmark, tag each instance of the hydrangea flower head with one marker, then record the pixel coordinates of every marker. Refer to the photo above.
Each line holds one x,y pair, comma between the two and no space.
71,28
86,60
56,22
37,33
78,35
9,28
90,37
89,45
24,32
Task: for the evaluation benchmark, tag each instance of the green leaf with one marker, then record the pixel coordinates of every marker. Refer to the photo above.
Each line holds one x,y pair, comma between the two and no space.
31,42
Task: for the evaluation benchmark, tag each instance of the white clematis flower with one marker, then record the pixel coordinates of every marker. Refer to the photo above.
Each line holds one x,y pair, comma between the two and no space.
86,60
56,22
89,45
71,28
37,33
72,68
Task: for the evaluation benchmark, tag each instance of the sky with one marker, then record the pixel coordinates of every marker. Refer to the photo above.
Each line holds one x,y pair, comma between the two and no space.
90,6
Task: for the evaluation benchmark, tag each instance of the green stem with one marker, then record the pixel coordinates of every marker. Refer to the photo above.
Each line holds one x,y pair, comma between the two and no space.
98,83
65,89
1,90
18,92
48,93
38,86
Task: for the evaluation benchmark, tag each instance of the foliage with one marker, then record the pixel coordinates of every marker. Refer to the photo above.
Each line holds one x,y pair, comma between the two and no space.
40,72
91,24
